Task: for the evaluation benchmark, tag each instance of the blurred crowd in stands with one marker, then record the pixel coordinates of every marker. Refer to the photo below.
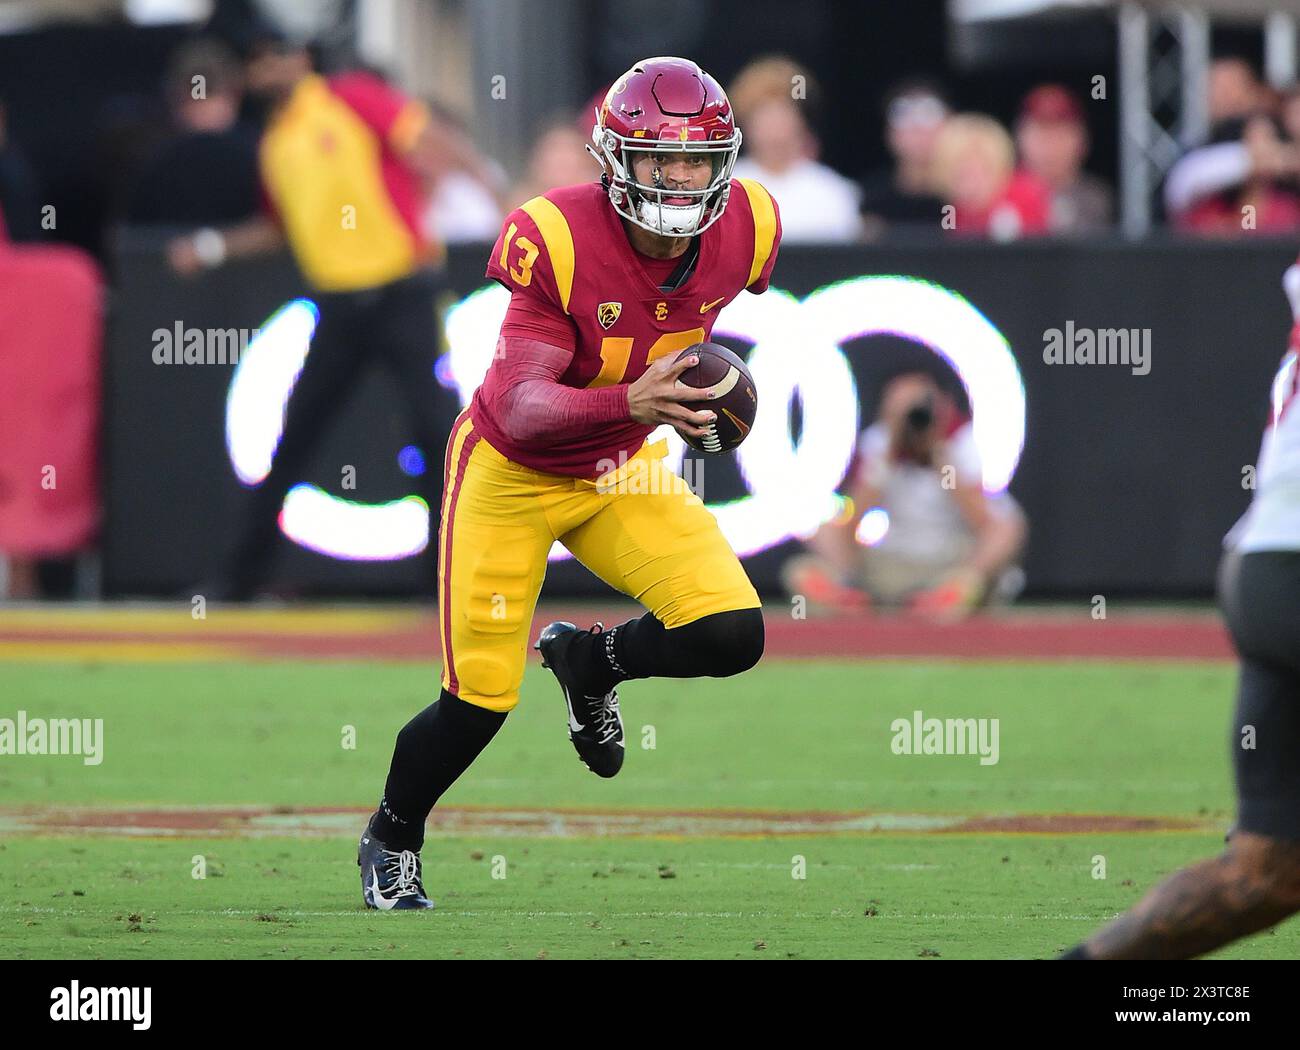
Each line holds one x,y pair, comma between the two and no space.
952,173
195,158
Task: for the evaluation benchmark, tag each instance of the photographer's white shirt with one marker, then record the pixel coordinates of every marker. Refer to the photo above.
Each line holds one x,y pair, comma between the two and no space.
925,522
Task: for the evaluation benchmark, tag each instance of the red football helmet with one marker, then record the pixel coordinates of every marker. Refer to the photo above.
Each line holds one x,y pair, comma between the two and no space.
660,106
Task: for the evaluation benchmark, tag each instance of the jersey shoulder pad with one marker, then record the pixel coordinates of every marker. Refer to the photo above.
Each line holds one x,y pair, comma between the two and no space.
766,224
534,253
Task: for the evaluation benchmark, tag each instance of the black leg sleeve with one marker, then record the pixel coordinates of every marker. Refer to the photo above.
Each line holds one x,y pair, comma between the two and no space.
716,646
433,749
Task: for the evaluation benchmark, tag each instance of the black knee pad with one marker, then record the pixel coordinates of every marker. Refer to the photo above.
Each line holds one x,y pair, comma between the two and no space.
725,643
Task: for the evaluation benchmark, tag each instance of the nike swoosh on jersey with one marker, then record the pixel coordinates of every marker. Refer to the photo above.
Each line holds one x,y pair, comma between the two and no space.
709,306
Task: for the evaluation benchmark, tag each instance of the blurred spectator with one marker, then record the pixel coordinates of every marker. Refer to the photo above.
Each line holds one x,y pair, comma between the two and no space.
342,159
772,98
817,204
771,78
1243,181
1053,140
975,171
1235,90
904,195
948,545
206,173
463,187
558,158
19,195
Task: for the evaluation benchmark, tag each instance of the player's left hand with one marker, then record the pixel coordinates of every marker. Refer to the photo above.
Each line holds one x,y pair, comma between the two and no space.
657,397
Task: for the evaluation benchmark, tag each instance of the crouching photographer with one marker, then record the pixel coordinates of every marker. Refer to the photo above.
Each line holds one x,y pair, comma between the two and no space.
918,530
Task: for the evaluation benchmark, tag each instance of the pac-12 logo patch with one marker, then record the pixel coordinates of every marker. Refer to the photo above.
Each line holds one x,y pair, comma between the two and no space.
607,314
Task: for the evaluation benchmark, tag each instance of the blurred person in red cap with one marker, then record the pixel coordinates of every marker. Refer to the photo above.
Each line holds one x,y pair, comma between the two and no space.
1053,140
975,172
904,195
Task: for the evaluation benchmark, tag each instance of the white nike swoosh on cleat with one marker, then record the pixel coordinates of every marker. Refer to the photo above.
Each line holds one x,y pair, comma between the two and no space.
574,725
381,902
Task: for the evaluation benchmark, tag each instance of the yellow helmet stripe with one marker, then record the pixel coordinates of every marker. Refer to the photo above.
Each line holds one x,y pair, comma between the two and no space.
555,232
760,204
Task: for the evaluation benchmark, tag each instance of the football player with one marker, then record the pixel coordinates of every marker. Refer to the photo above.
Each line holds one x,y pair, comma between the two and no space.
1255,882
609,282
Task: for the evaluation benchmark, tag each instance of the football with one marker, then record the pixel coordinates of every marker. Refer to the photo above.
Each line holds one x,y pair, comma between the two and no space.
737,399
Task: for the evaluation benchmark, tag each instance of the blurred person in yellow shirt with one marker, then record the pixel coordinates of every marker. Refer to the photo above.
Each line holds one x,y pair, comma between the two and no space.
343,160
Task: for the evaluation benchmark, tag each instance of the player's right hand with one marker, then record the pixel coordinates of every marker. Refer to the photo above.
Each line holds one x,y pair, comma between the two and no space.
657,397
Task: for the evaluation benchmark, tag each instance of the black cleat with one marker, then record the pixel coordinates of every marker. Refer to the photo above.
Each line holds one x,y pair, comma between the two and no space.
390,879
595,726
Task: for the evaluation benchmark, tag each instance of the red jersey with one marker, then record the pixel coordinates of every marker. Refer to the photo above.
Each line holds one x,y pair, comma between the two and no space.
1022,209
577,283
1276,211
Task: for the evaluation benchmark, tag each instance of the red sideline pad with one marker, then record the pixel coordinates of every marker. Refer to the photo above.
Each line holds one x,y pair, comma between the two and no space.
1016,636
1006,639
50,334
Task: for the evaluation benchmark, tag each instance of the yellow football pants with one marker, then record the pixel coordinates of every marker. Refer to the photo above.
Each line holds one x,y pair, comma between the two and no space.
639,528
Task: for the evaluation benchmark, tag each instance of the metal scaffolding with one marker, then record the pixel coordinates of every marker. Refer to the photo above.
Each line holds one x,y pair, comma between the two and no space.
1164,61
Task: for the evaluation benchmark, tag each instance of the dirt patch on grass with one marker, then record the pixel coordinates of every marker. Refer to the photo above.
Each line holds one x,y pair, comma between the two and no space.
329,822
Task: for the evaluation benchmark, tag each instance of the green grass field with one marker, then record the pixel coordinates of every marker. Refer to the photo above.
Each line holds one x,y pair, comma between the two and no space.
790,738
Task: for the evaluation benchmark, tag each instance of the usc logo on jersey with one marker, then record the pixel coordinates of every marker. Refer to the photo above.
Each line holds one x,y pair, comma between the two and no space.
661,311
